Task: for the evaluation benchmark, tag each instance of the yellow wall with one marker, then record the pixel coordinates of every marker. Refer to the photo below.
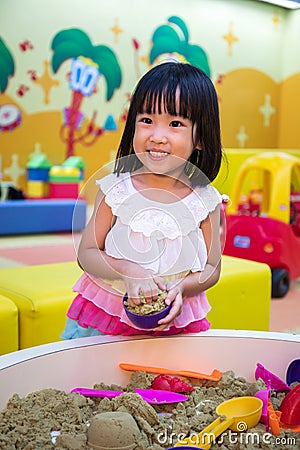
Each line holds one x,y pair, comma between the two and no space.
252,49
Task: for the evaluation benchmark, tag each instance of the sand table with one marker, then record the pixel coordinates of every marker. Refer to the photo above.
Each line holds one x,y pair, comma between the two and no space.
53,419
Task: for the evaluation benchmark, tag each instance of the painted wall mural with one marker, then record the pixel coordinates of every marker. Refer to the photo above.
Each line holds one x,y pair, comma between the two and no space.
167,40
10,116
68,71
89,62
7,66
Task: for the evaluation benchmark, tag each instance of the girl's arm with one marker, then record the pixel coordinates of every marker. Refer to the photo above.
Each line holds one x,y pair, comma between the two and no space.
93,259
197,282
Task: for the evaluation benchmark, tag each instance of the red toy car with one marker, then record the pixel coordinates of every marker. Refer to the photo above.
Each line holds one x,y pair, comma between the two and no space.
263,217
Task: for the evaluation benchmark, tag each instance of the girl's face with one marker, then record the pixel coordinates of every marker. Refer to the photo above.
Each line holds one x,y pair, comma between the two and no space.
163,143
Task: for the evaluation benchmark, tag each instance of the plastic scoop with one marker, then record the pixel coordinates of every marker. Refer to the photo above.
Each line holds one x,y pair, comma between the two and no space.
241,413
290,407
216,375
293,372
152,396
270,379
264,395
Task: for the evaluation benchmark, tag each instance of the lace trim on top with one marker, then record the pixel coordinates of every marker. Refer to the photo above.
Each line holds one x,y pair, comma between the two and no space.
149,217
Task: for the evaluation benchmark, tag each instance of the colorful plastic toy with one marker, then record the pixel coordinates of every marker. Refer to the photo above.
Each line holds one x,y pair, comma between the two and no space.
38,168
215,375
290,407
270,379
64,182
263,217
238,414
37,176
152,396
293,372
168,383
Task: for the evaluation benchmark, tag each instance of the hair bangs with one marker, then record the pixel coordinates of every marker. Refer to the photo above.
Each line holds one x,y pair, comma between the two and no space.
166,97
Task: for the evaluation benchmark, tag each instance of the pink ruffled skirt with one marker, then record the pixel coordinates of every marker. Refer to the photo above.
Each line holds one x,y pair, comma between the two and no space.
97,309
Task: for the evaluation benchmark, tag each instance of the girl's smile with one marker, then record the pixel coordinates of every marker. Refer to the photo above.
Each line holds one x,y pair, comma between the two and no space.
157,155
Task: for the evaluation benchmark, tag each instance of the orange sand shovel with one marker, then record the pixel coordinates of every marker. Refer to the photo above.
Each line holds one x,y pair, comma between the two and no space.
216,375
273,419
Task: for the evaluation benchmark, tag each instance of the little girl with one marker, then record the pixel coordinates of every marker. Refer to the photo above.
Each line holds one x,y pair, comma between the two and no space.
156,220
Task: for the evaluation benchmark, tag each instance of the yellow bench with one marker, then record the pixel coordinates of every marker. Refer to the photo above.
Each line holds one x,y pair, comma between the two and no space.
9,335
242,297
43,293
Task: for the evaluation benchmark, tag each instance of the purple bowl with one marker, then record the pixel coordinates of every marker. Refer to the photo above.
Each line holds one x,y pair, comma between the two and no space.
293,372
147,322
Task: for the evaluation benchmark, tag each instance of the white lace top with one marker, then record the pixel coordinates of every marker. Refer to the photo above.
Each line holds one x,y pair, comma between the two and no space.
163,237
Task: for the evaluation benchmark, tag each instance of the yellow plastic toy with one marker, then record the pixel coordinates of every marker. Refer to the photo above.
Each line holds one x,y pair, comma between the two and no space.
238,414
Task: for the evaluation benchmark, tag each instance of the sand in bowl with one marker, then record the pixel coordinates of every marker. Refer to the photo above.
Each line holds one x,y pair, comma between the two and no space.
144,308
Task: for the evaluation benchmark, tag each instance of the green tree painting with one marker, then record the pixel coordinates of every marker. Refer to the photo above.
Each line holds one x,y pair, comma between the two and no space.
174,38
89,63
7,66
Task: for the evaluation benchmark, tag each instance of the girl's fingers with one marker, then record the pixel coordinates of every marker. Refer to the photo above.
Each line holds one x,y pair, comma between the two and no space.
175,311
143,292
146,293
149,291
160,283
133,296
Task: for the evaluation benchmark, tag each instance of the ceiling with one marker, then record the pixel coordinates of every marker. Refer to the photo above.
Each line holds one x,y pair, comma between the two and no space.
290,4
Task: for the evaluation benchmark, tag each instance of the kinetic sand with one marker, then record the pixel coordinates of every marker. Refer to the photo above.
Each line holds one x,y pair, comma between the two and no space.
53,419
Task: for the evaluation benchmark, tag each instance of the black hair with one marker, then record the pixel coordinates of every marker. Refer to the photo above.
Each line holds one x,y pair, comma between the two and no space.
198,102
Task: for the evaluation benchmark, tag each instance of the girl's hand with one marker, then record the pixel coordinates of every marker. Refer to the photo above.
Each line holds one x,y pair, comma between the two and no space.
140,282
175,297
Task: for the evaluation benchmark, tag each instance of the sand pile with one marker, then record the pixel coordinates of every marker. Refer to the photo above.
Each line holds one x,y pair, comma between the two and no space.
53,419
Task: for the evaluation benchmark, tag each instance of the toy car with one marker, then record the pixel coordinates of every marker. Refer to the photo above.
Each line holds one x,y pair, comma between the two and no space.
263,217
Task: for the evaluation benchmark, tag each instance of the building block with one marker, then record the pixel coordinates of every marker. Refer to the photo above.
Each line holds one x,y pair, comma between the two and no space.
37,174
42,294
64,190
42,216
38,168
37,189
63,174
75,161
9,325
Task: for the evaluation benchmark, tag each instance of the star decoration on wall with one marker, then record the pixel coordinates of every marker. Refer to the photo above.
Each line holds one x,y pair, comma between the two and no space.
230,38
242,136
276,19
116,31
46,82
267,110
14,171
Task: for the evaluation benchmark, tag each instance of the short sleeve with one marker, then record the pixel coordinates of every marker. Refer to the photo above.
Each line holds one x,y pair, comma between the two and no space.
203,201
115,189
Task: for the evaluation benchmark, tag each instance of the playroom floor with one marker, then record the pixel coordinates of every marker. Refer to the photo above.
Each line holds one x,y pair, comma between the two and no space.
16,251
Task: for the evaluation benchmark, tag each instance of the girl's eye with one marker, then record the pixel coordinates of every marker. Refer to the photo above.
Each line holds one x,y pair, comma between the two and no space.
145,120
176,123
